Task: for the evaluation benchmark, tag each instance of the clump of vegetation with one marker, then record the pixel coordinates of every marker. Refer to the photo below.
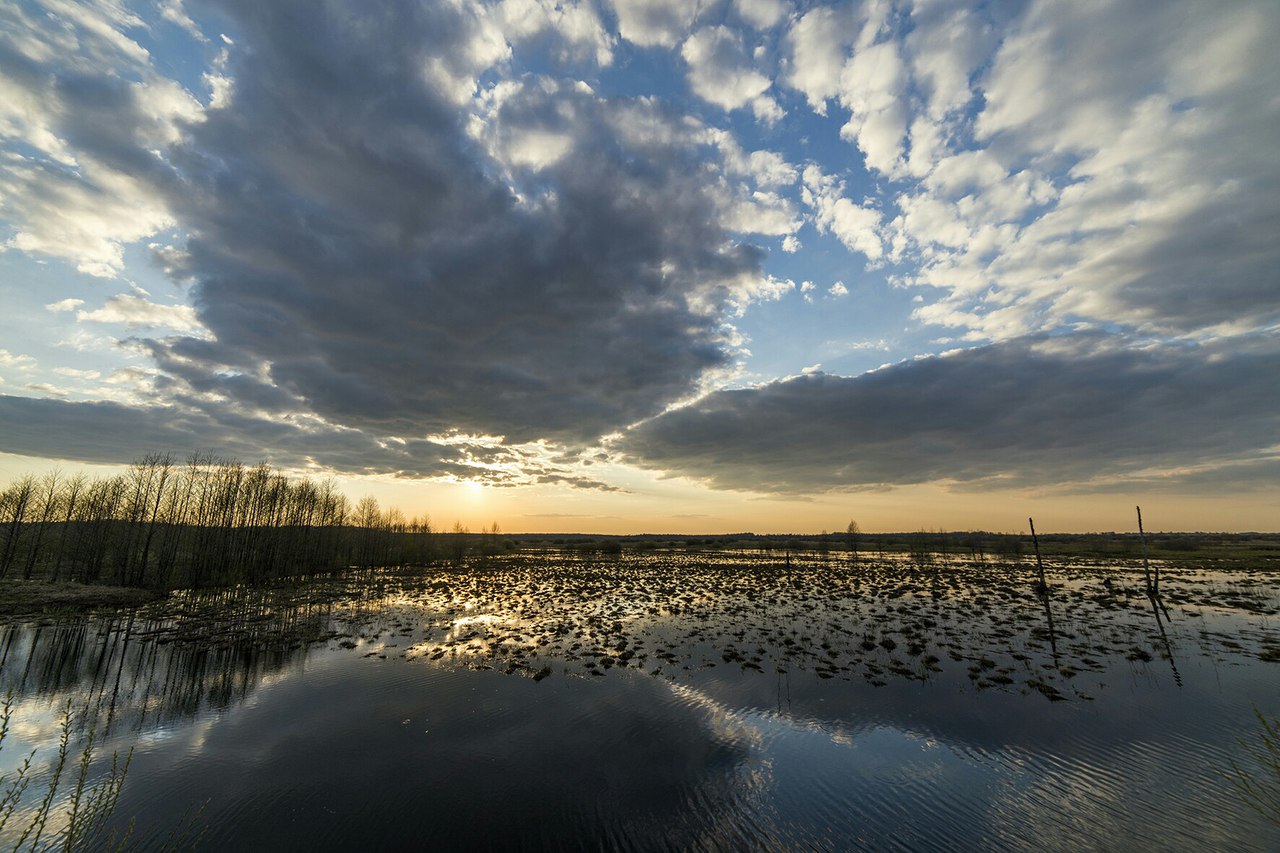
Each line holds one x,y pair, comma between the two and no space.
83,813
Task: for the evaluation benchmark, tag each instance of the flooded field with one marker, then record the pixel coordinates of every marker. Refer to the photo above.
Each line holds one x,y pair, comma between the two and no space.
669,701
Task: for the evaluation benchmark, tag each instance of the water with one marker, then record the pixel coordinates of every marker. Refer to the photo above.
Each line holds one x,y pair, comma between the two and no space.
680,703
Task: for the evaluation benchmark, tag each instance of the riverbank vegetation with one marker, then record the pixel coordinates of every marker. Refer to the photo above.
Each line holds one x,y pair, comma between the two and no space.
206,523
161,525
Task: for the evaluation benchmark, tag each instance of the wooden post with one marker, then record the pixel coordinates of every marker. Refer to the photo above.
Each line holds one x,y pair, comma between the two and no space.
1043,587
1153,587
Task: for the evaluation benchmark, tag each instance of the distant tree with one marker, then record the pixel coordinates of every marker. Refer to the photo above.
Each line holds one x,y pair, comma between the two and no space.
851,534
72,491
48,495
15,502
160,525
458,541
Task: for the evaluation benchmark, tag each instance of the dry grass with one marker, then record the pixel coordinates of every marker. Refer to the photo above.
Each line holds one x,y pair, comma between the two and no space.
29,598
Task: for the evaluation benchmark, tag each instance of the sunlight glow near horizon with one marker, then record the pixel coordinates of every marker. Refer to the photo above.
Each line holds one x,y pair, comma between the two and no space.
685,509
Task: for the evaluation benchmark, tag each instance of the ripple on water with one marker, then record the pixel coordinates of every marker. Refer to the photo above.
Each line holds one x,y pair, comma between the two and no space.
760,727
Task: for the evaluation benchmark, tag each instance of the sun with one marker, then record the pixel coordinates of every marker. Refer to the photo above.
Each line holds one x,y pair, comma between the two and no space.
471,493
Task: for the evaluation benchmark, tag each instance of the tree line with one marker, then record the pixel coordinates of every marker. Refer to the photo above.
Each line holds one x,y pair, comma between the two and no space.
207,522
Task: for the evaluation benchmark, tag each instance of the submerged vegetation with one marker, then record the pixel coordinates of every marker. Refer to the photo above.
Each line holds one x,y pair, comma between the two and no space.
700,619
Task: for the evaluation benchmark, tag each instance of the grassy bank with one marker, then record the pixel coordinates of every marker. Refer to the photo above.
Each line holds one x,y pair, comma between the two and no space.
33,598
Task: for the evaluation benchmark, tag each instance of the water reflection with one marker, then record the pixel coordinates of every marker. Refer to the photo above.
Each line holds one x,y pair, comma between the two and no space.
132,672
1158,608
690,706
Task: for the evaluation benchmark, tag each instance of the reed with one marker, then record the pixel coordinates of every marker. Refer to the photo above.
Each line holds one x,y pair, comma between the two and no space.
83,812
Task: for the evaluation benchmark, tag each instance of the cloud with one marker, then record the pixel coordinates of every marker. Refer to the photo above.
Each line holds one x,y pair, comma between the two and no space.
1034,413
527,260
816,44
577,25
64,305
1059,163
654,23
173,12
109,432
46,388
768,169
945,48
720,72
1157,141
872,87
856,226
376,240
763,213
401,229
761,14
136,312
86,216
83,117
17,361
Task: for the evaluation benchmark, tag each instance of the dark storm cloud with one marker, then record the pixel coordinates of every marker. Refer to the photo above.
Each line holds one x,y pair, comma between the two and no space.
352,239
112,433
1028,413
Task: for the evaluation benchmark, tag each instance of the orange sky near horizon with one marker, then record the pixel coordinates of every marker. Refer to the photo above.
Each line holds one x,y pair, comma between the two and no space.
678,506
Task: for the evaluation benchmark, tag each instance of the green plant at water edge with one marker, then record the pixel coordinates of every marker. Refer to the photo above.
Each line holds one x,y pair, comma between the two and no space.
1259,785
87,808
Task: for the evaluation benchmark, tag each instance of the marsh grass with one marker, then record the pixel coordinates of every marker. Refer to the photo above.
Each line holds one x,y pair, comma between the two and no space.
1258,781
81,816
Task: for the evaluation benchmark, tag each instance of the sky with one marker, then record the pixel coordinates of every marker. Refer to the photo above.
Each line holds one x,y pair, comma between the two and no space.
656,265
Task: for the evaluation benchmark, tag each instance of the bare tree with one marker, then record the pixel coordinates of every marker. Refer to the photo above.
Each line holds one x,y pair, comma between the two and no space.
14,504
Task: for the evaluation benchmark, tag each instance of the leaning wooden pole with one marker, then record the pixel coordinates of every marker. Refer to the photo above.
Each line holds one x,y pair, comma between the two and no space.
1153,586
1043,587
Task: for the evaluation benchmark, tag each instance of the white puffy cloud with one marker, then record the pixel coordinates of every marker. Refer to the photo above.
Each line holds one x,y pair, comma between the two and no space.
1060,162
817,42
761,14
175,13
1135,183
85,215
66,78
577,24
15,360
767,169
945,47
654,23
762,213
64,305
136,312
872,87
854,225
721,73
